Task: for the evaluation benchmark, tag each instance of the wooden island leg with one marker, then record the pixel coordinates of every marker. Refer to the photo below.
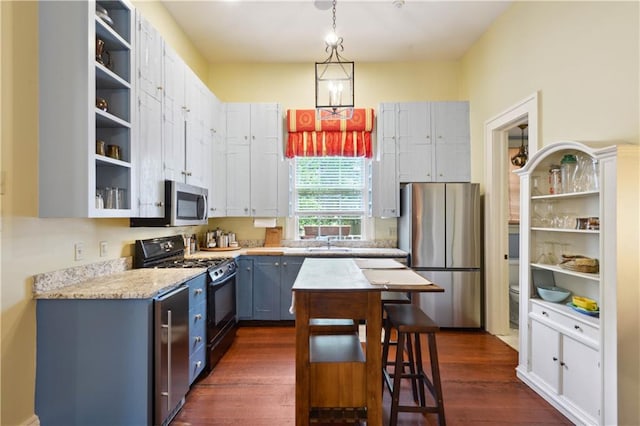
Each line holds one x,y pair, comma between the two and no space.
302,358
374,359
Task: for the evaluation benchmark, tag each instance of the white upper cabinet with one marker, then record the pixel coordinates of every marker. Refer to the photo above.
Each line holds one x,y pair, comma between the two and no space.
254,156
149,130
432,141
218,174
86,100
187,108
385,187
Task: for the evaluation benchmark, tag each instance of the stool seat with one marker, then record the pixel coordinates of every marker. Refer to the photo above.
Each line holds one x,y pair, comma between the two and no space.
410,319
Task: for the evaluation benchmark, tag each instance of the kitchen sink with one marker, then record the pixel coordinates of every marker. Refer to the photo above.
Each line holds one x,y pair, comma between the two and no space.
329,249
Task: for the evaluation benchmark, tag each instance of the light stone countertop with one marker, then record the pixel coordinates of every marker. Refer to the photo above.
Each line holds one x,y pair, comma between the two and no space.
131,284
321,251
115,279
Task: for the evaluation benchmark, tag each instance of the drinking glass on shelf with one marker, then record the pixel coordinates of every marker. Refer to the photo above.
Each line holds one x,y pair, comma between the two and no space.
550,248
535,189
541,254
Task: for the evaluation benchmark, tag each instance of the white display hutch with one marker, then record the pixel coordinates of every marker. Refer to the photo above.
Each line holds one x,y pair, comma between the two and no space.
568,357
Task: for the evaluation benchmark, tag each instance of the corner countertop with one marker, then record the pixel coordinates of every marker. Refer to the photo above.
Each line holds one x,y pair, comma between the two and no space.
334,251
131,284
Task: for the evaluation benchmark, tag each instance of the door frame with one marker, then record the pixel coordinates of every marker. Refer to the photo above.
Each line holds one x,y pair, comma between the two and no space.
496,207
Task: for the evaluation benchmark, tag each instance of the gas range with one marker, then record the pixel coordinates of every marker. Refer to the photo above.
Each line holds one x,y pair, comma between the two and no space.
168,252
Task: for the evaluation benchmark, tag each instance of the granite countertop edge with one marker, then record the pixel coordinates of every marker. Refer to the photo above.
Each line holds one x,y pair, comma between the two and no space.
130,284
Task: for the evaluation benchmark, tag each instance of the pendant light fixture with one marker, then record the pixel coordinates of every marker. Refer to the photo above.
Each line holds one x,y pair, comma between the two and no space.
520,159
334,80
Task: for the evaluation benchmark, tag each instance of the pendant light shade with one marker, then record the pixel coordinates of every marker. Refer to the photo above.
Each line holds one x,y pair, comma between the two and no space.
334,81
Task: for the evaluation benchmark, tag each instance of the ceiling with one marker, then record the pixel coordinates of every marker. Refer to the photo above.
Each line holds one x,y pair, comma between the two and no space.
294,30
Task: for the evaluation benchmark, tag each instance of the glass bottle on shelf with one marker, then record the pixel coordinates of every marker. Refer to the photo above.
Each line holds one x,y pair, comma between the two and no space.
555,180
568,169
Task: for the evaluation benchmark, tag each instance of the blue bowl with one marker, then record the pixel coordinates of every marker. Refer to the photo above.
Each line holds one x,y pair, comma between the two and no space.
553,294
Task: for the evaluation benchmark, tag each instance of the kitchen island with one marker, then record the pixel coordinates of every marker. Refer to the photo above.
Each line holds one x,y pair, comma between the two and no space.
339,288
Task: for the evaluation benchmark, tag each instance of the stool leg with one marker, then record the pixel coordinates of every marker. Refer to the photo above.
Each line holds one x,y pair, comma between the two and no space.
423,399
435,374
412,368
385,349
395,396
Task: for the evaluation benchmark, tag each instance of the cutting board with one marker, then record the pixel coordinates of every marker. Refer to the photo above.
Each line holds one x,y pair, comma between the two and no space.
394,277
273,237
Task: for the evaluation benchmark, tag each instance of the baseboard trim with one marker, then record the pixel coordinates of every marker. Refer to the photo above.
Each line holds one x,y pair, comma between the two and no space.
32,421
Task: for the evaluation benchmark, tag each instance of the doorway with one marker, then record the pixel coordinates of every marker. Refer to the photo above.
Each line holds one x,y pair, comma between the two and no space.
496,211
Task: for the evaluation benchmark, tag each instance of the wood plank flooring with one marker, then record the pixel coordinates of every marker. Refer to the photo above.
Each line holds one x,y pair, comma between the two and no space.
254,384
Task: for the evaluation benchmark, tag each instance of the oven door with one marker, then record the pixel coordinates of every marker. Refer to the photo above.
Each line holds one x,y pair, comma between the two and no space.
221,318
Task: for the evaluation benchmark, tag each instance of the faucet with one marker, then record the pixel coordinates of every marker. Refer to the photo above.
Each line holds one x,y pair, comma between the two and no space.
329,238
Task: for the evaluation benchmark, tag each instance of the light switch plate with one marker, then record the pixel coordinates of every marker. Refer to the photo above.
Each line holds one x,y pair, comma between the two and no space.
103,248
79,251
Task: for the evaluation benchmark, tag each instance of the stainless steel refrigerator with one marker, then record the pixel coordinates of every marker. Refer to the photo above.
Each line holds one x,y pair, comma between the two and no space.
440,228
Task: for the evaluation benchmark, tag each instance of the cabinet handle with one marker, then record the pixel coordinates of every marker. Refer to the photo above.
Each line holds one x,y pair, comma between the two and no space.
198,291
198,339
577,327
198,316
159,87
188,173
555,358
183,172
159,204
563,364
545,313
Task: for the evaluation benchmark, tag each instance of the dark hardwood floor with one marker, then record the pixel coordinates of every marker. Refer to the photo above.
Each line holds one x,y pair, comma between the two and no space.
254,384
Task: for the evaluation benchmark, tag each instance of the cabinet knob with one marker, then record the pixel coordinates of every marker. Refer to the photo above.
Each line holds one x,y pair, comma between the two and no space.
577,327
248,269
545,313
188,173
428,137
159,204
284,263
277,264
563,364
246,137
198,316
198,291
198,364
441,175
198,339
159,88
253,137
555,358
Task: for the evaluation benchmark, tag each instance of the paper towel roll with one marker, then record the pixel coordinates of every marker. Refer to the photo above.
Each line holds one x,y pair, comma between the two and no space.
264,222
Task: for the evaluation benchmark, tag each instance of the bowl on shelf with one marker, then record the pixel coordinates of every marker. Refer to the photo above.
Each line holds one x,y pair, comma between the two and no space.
553,294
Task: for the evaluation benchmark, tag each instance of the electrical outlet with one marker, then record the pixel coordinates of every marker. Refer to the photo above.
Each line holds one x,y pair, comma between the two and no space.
79,251
103,248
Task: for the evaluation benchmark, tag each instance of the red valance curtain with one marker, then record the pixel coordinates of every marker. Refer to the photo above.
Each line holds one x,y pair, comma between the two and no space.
309,137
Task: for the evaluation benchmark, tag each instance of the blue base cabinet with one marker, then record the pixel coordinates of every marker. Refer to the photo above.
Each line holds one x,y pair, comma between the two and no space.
94,362
264,287
197,326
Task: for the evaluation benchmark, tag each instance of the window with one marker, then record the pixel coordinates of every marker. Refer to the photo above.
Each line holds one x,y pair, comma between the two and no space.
330,197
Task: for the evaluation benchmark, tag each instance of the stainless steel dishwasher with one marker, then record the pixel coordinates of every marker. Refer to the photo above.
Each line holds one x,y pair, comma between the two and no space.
171,339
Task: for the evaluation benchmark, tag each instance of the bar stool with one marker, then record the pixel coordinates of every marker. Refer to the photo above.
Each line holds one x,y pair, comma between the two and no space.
410,321
395,297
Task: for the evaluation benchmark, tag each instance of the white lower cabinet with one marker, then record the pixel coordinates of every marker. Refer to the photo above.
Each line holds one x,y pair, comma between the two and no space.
567,368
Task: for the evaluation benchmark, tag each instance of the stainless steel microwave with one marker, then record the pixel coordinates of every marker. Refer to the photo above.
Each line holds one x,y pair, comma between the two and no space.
184,205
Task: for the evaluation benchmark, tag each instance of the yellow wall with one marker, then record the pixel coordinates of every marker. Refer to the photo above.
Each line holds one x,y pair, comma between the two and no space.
31,245
583,59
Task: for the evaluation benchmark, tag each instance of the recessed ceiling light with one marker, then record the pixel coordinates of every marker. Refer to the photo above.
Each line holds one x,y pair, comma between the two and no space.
398,3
